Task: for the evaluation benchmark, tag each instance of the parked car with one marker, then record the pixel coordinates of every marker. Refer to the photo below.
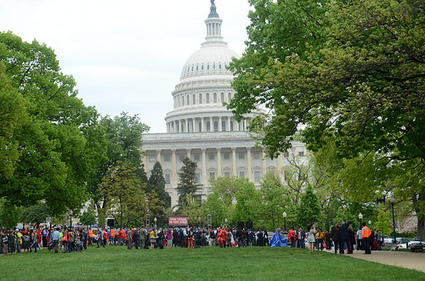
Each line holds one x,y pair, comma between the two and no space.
415,242
388,241
402,243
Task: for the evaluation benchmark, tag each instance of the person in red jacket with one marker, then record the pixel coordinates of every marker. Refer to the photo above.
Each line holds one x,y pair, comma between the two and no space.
291,237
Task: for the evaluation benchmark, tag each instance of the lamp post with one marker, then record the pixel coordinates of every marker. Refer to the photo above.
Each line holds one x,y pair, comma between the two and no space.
155,222
284,220
392,200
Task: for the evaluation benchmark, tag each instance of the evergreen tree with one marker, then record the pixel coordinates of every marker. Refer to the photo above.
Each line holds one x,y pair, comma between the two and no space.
157,183
308,211
187,184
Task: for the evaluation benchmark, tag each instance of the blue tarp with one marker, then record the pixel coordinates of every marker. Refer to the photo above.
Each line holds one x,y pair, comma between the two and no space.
278,241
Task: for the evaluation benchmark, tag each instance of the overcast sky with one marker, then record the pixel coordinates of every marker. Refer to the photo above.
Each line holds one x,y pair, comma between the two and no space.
126,55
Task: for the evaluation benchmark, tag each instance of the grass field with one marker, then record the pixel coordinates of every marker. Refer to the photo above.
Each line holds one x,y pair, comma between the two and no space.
209,263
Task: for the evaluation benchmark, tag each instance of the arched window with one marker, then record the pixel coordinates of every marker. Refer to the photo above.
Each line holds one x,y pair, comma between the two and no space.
193,99
200,98
208,126
215,126
182,100
207,98
223,126
231,126
229,97
222,97
215,97
187,100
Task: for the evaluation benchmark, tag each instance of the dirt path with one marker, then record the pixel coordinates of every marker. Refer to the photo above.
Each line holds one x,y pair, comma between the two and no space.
396,258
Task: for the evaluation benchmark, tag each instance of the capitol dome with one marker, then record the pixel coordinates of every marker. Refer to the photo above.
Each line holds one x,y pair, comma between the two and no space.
205,84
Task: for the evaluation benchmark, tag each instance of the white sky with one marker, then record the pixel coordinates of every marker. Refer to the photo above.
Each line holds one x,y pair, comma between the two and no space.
126,55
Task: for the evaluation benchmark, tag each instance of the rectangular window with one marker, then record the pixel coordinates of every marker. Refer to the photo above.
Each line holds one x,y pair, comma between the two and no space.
212,175
167,158
226,156
196,157
256,176
301,154
211,156
181,157
167,178
256,155
197,178
241,156
227,174
241,174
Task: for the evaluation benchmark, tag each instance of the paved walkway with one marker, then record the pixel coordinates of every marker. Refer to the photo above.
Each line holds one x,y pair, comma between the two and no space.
396,258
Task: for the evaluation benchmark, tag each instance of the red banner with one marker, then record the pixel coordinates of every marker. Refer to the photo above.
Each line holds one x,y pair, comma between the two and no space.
182,221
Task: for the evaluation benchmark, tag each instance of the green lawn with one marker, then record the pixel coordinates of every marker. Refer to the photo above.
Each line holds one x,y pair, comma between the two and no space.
253,263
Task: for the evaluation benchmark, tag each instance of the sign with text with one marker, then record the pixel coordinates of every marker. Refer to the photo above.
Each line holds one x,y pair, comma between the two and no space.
182,221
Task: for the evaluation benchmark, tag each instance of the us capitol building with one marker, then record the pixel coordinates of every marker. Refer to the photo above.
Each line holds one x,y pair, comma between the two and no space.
201,128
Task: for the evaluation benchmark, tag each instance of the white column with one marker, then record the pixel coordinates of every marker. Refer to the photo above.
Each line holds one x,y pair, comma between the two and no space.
218,162
202,125
234,160
228,123
211,125
248,152
204,166
220,125
174,165
158,155
264,162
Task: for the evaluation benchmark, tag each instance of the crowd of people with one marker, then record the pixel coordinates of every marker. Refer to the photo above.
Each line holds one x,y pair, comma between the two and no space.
342,238
70,239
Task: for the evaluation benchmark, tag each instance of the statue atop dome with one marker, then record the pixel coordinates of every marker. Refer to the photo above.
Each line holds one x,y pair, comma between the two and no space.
213,13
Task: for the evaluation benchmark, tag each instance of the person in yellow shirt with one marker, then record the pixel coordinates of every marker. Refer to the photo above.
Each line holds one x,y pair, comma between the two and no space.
319,239
19,244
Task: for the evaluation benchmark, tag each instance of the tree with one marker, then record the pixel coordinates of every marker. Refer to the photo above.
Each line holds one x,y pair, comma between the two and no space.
193,209
352,71
124,194
88,217
247,206
9,214
308,212
123,140
157,183
36,213
53,139
12,115
274,199
187,184
215,207
227,189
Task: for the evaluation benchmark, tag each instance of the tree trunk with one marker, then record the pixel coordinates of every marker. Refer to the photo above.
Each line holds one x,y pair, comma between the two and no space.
418,204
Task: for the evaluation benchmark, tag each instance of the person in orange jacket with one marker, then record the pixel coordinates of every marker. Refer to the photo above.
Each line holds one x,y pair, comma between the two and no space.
366,233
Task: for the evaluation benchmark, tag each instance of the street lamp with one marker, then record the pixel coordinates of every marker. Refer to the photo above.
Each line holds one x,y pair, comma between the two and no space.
392,200
155,222
284,220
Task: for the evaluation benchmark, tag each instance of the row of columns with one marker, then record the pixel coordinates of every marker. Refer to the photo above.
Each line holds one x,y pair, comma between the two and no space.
204,176
200,125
